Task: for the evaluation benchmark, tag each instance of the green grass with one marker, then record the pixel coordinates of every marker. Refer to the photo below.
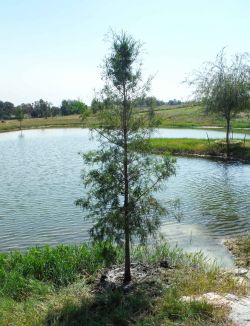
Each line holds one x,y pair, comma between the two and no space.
41,270
178,117
194,116
58,286
188,146
56,122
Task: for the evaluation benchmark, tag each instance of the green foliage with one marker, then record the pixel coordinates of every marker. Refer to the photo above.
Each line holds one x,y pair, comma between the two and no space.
224,87
41,109
6,110
19,114
96,105
40,269
73,107
119,181
105,190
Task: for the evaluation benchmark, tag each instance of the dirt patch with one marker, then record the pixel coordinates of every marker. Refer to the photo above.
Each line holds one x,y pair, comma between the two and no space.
142,274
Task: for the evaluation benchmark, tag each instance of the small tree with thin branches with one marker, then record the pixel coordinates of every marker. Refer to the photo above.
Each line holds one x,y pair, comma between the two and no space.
119,180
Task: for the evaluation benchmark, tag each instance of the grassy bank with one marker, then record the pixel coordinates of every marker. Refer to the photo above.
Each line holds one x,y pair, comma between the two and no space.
56,122
60,286
186,146
194,116
240,248
180,117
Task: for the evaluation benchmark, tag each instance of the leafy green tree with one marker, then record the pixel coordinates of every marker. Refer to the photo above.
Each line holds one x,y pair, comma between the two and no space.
26,108
151,111
19,116
96,105
55,111
69,107
120,181
41,109
85,112
224,87
6,110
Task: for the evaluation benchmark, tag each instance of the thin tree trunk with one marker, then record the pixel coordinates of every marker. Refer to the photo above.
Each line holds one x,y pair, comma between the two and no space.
227,137
127,272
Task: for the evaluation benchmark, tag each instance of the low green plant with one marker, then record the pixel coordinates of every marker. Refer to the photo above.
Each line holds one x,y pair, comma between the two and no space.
41,269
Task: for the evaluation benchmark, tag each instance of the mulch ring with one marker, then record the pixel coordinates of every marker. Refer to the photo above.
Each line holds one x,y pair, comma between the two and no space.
142,274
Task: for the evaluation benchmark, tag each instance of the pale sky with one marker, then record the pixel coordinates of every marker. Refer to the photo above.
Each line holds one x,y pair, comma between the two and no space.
52,49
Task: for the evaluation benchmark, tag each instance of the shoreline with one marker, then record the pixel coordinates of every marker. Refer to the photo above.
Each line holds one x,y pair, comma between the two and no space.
200,148
185,147
80,125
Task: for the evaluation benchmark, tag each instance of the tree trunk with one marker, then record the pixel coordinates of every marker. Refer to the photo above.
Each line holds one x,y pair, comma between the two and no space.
127,272
227,137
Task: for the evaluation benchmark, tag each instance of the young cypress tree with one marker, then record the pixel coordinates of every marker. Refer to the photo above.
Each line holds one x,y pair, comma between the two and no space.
120,180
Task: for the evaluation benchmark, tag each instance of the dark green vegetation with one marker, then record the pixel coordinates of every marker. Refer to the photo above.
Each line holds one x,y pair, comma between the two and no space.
41,109
203,147
60,286
240,248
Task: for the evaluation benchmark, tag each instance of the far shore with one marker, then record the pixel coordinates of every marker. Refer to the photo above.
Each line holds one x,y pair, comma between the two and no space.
192,117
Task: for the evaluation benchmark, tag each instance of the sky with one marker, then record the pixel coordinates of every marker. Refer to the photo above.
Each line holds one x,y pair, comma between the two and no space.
53,49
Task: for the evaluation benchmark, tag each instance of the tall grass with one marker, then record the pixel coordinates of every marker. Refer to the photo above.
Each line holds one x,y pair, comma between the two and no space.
42,269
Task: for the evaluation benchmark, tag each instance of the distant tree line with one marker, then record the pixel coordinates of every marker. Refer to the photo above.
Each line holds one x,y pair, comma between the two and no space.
41,109
45,109
149,101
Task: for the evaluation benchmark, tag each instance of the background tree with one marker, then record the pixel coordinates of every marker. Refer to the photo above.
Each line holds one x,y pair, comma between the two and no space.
26,108
19,116
119,180
224,87
55,111
7,110
41,109
151,111
69,107
96,105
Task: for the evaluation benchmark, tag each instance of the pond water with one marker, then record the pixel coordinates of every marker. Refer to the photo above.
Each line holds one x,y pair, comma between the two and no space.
196,133
40,180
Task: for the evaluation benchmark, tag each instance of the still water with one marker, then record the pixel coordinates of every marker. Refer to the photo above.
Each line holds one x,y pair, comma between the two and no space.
40,180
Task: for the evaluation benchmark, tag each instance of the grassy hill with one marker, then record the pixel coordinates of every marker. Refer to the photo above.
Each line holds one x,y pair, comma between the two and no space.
194,116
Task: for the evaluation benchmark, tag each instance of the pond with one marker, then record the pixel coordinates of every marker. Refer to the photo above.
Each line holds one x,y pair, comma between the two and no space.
40,180
196,133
